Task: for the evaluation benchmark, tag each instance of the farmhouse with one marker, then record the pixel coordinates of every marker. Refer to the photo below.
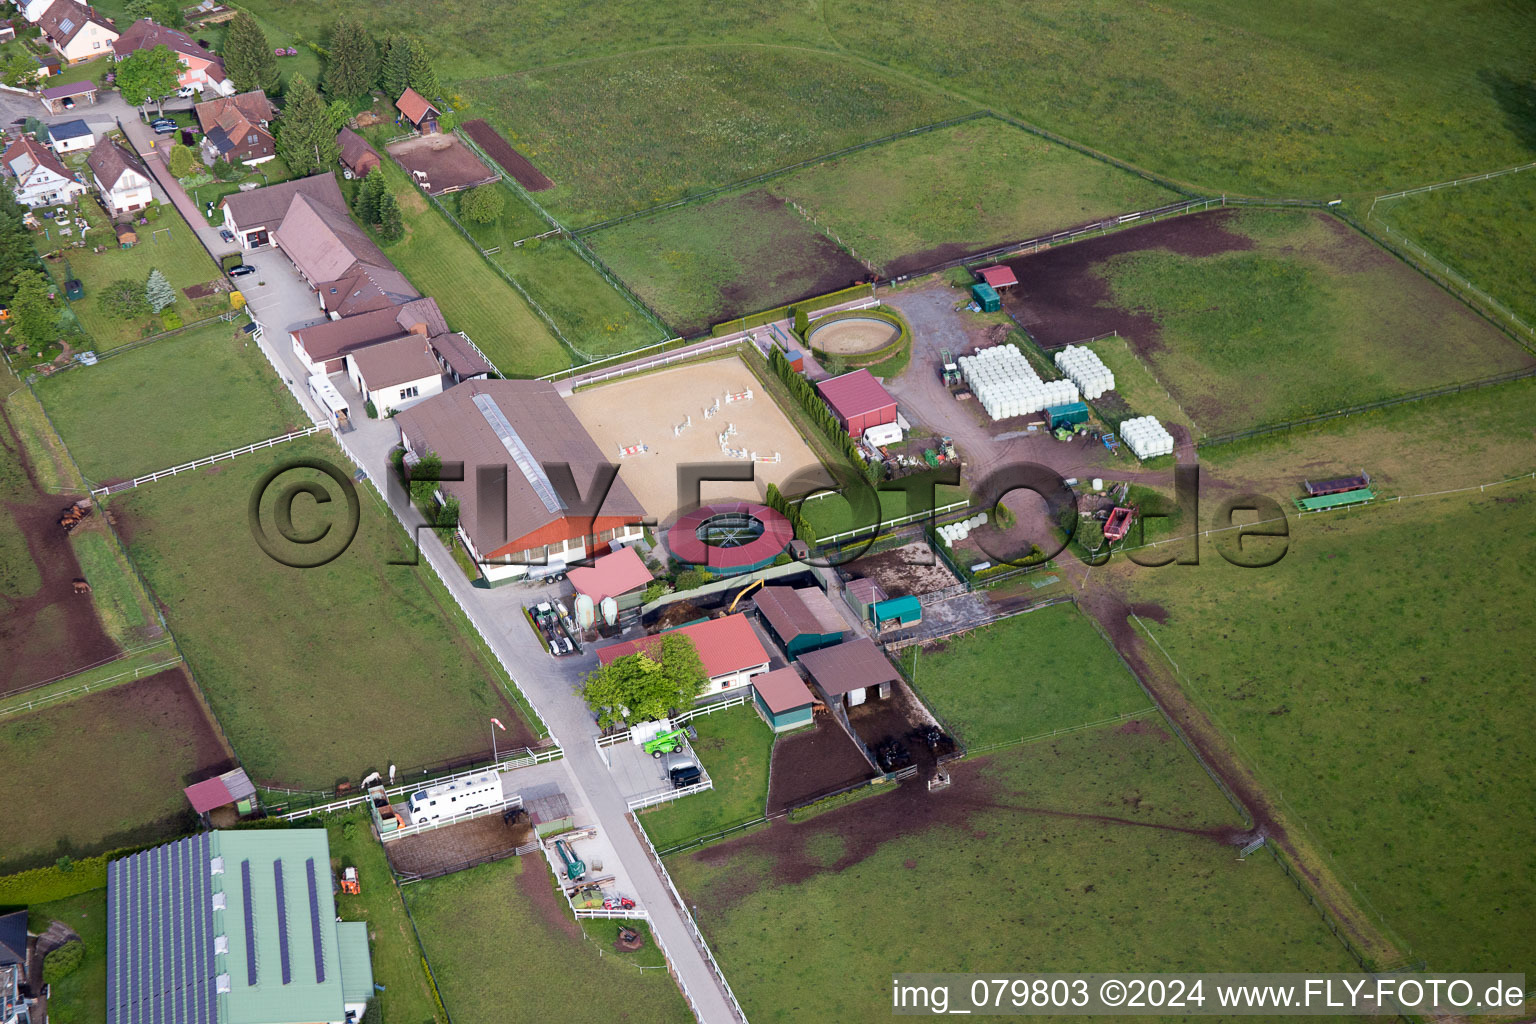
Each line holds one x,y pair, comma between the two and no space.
366,288
849,672
324,242
356,155
728,649
71,136
200,69
66,97
233,927
232,788
253,216
858,401
413,106
621,575
782,699
120,178
322,348
40,179
800,620
509,435
395,375
237,128
76,32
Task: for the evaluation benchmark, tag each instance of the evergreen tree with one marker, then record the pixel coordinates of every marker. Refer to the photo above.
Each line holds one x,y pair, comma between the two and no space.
34,315
366,203
395,69
158,292
305,140
423,77
391,225
354,65
248,57
16,250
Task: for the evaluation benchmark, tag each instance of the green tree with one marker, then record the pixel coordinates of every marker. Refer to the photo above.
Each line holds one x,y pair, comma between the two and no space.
366,203
181,161
391,224
423,76
305,140
36,129
483,205
354,64
20,70
34,312
248,57
16,250
447,519
395,67
424,480
146,76
122,299
338,111
802,321
158,292
647,685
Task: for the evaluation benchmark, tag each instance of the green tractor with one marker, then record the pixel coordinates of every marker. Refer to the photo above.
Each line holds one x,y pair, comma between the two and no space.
665,743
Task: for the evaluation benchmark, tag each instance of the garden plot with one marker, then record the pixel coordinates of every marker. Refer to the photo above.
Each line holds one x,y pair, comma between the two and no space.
647,409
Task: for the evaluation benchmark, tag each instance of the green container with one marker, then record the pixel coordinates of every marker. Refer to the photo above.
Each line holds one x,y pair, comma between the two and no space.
986,297
1069,415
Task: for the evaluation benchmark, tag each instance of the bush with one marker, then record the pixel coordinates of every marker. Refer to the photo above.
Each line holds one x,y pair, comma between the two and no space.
692,579
371,409
62,962
123,299
171,320
482,205
657,588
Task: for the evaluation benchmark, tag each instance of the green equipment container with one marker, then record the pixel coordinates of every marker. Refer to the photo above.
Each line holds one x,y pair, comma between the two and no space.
986,297
1069,415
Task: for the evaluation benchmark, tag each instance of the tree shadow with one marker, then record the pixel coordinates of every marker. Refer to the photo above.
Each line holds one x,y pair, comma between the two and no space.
1517,98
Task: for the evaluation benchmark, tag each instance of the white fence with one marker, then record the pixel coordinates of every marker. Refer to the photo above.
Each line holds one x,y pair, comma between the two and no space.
675,356
703,709
889,523
640,803
1452,184
200,463
507,762
84,688
334,805
417,828
637,914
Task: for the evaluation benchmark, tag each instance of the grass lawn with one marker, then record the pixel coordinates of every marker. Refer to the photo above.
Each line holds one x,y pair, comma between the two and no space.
406,995
19,577
594,315
1380,687
1100,847
377,640
1062,675
1309,319
123,607
958,190
623,135
134,413
50,461
734,746
508,912
834,514
166,243
476,300
1456,225
72,755
81,996
1136,392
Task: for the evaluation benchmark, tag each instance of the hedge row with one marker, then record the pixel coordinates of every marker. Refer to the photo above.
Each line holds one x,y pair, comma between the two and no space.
878,355
45,885
810,400
768,316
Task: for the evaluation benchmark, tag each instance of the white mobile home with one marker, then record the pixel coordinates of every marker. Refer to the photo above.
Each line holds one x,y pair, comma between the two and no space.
475,793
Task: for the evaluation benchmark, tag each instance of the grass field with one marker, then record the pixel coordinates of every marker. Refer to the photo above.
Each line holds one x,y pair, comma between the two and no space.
73,755
50,460
1063,675
508,912
916,202
443,264
166,244
734,746
1456,225
623,135
1378,684
834,514
79,997
19,577
123,607
406,994
1353,324
134,413
1140,393
1100,847
594,315
359,634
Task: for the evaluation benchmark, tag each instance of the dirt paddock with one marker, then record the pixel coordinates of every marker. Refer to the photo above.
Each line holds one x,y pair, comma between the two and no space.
854,335
812,763
456,845
910,569
447,163
645,409
895,717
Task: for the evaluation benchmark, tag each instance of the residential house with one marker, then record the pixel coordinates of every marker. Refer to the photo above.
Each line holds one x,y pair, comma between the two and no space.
237,128
71,136
510,436
13,968
13,938
33,10
60,98
122,181
422,115
7,31
76,32
356,155
233,927
728,649
395,375
323,347
40,179
254,216
201,69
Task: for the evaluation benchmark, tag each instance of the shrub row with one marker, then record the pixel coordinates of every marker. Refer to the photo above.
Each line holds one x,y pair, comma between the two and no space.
768,316
805,393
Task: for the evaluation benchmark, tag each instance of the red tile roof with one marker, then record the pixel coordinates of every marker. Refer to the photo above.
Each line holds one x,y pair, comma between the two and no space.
997,277
414,105
855,394
219,790
782,690
724,645
611,575
848,666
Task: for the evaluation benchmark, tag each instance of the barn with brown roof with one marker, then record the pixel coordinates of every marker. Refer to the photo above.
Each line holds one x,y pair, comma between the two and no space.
395,375
851,672
356,155
253,216
322,347
801,620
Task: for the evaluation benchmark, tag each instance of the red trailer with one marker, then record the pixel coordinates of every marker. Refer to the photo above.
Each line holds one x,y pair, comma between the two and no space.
1338,485
1119,523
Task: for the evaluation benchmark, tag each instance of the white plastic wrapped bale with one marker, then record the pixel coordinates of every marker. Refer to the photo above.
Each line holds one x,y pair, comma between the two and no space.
1146,437
1003,381
1084,368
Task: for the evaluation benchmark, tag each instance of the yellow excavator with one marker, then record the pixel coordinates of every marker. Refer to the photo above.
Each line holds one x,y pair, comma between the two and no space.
749,586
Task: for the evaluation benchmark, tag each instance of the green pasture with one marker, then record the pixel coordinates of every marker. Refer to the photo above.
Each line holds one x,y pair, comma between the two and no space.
734,747
80,997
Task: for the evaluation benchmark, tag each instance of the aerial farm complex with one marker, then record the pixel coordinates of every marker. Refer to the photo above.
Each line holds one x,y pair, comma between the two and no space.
521,513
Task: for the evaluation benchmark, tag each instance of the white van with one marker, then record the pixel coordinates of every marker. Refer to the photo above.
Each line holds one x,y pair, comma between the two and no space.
459,797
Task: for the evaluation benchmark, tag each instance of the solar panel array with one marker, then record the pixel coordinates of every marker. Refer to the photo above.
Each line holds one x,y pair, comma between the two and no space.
250,924
282,921
314,919
521,456
160,929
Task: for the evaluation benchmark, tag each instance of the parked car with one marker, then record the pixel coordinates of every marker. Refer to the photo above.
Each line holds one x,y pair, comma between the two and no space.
684,772
226,234
164,126
186,92
242,270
